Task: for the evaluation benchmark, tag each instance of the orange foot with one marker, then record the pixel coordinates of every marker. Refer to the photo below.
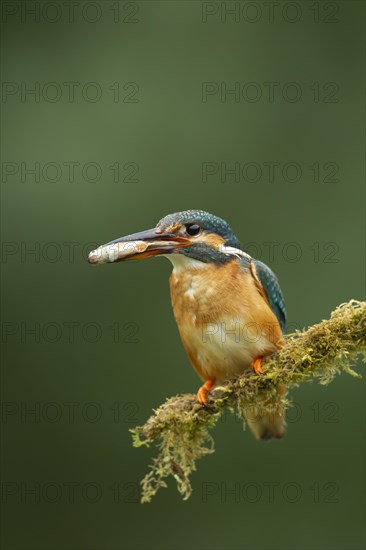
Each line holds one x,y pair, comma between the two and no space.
203,391
257,365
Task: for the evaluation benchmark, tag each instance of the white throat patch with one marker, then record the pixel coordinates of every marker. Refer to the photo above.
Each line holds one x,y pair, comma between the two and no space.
181,262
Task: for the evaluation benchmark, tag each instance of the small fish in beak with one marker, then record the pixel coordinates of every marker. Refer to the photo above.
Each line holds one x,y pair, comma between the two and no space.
116,252
152,242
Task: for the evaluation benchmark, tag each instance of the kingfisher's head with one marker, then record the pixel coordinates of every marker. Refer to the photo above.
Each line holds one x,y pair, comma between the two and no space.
184,237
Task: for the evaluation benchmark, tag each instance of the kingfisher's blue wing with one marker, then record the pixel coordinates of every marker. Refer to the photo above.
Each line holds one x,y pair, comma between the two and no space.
273,290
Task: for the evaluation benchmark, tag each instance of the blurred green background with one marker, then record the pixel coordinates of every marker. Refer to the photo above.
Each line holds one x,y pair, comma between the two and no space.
118,131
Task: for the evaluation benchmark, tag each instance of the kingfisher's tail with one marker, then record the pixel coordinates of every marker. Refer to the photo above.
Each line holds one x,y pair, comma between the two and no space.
270,425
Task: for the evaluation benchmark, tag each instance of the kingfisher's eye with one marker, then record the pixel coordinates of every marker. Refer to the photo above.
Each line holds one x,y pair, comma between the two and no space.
193,229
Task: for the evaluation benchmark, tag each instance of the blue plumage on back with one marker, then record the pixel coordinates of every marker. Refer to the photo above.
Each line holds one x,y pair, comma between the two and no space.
273,290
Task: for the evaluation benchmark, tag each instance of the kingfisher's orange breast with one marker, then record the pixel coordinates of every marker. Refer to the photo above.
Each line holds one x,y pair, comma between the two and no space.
224,319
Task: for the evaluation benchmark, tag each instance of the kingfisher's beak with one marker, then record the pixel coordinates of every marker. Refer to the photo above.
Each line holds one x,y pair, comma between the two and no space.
152,242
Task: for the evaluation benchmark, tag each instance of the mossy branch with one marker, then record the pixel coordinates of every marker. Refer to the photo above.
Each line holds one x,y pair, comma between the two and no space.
180,426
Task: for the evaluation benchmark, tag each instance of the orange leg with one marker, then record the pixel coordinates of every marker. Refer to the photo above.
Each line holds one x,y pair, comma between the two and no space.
257,365
203,391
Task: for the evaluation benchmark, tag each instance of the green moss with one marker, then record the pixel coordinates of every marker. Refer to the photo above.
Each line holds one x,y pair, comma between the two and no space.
180,427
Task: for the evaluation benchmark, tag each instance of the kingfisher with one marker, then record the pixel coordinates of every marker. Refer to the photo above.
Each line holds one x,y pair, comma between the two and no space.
228,306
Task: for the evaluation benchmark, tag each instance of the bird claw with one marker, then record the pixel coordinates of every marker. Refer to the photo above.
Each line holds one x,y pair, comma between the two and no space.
257,365
203,391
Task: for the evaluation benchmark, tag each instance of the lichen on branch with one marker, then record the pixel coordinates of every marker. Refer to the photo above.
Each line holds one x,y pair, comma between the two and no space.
180,426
